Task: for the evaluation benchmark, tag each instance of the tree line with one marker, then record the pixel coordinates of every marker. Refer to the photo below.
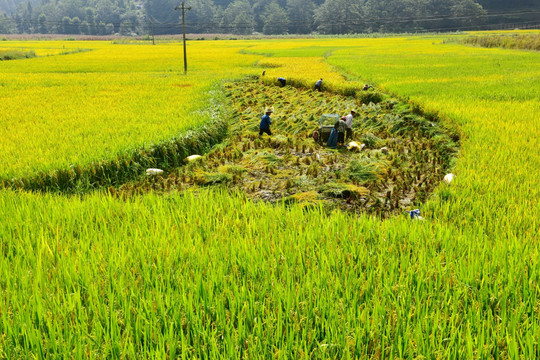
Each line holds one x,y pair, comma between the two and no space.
271,17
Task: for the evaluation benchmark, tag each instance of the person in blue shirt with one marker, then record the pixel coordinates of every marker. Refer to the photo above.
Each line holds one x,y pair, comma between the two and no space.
264,127
318,85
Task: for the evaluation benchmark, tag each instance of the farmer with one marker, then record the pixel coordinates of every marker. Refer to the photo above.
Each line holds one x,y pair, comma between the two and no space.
348,123
282,81
340,127
318,85
264,127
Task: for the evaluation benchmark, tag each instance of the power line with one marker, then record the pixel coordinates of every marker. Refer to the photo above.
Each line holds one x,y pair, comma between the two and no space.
377,19
218,26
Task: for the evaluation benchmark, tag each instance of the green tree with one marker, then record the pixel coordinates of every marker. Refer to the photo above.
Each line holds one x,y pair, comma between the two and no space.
338,17
259,7
24,18
7,25
238,18
108,12
66,25
90,18
390,15
468,13
449,15
71,8
130,21
200,19
109,29
84,28
75,25
42,24
223,3
275,20
506,4
7,7
242,24
125,28
101,28
300,14
164,15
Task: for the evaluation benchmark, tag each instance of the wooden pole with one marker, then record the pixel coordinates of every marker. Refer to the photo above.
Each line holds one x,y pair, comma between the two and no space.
183,31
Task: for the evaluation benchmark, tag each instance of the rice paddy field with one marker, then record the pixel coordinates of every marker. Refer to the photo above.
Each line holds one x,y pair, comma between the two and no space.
207,272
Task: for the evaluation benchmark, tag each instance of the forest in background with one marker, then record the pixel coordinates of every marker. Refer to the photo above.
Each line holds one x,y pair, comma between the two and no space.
270,17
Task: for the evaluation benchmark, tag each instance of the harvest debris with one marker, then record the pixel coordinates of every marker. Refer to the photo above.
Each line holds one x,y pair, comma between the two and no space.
404,157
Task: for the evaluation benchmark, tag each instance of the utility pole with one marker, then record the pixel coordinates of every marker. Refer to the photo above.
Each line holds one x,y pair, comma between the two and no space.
153,37
152,27
183,31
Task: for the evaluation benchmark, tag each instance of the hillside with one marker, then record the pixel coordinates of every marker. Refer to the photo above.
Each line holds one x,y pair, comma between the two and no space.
244,17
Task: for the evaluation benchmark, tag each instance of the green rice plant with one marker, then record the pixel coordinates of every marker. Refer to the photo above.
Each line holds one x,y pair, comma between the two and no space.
210,274
232,169
302,197
343,190
445,148
267,158
371,141
508,41
369,97
233,269
205,178
366,170
303,182
96,105
131,164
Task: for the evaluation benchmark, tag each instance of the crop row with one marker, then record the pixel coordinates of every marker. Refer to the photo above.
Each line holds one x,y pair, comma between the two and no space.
114,172
72,110
513,41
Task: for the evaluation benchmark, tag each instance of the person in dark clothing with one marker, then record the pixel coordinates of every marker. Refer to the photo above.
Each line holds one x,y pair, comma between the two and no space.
282,81
367,87
318,85
264,127
340,127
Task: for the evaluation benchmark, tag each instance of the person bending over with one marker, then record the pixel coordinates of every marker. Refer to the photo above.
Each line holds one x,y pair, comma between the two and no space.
264,127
